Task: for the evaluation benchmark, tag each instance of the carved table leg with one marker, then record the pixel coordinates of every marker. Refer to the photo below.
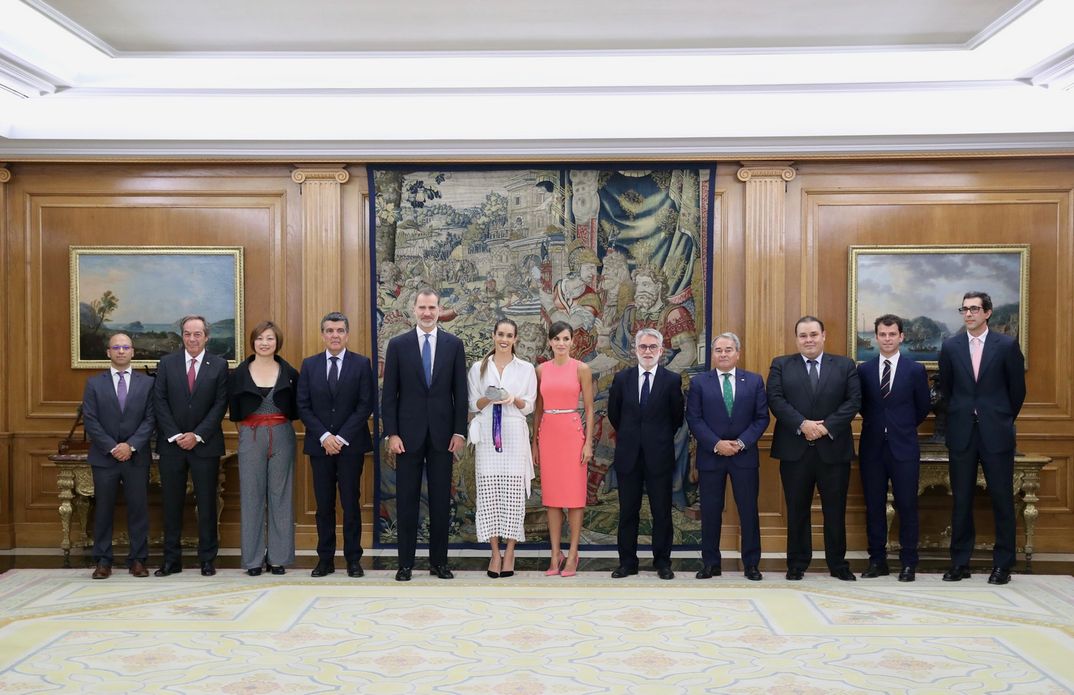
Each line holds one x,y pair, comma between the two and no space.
65,481
889,512
1030,488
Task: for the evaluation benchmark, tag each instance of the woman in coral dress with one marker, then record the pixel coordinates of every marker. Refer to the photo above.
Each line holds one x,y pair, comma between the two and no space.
563,447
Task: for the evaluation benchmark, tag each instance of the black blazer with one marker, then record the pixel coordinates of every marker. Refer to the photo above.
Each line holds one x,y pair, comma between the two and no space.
650,432
996,395
412,409
791,399
345,414
201,412
244,398
896,416
107,426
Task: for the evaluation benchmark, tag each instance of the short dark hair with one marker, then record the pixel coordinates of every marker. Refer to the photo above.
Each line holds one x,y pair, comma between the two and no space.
986,301
336,316
558,327
193,317
427,291
887,320
808,319
261,328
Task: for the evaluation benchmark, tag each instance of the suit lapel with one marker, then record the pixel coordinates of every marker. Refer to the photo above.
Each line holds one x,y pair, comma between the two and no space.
440,359
740,388
988,351
825,375
962,354
635,394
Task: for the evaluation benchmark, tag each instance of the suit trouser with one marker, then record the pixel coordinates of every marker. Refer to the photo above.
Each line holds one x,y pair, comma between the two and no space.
999,476
657,485
344,472
435,465
904,476
106,479
745,485
832,480
204,471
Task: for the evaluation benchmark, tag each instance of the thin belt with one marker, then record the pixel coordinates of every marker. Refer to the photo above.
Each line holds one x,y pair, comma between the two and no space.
269,420
560,411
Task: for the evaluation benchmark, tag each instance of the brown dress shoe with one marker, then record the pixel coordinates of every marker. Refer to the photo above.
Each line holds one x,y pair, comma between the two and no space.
102,571
138,569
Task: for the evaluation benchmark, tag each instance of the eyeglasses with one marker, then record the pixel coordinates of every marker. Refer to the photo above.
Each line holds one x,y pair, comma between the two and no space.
121,348
970,309
648,348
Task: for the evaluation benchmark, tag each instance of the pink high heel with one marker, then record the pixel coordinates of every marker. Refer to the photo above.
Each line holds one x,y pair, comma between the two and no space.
556,566
564,572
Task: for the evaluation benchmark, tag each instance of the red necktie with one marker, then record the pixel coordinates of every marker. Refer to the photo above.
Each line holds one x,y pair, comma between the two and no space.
190,375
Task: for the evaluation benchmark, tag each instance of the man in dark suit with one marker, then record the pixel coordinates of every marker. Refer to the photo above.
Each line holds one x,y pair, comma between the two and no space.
814,396
335,399
727,411
894,401
983,381
189,399
117,409
424,410
645,407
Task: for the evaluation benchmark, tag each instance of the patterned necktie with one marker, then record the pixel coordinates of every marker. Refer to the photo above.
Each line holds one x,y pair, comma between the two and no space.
885,380
333,375
814,375
728,396
121,391
427,360
191,375
645,391
975,356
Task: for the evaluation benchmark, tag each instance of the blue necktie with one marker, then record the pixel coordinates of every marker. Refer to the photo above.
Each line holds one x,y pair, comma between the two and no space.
333,375
645,390
427,360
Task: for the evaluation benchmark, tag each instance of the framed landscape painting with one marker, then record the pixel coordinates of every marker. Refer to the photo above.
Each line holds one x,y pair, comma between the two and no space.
143,291
924,285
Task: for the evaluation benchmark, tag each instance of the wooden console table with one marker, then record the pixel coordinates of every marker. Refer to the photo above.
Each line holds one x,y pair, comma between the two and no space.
935,473
74,478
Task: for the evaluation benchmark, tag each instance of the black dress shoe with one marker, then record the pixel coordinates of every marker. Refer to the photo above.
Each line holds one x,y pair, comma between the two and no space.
752,573
254,571
844,574
402,574
957,573
441,572
907,574
708,572
620,572
795,574
354,569
876,569
207,569
665,573
166,569
277,569
322,569
999,576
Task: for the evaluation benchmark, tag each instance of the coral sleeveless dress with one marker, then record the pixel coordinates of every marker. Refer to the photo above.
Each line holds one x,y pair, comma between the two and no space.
561,437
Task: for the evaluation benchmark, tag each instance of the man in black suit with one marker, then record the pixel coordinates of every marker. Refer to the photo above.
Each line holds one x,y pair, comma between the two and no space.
894,401
645,407
727,411
117,409
983,381
189,399
814,396
335,399
424,409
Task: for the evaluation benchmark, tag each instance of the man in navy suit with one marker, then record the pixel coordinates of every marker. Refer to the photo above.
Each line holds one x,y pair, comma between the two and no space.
814,396
727,411
424,410
335,399
189,400
894,401
983,381
645,408
117,409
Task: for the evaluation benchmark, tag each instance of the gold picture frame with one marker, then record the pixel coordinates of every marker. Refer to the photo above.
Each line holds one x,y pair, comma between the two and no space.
924,285
144,291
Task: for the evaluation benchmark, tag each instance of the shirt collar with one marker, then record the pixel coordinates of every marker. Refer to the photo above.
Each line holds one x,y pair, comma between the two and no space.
199,359
115,371
894,359
328,354
421,334
731,372
642,370
819,358
969,338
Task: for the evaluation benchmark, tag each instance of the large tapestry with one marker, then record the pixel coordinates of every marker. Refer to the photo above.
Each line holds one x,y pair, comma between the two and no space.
608,250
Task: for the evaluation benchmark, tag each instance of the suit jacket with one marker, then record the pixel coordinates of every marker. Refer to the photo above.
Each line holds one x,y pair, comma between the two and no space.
899,415
650,431
709,422
107,426
410,408
345,414
996,395
792,401
201,412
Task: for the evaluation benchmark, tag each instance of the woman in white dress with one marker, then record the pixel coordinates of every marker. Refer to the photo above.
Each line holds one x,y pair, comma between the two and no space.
503,389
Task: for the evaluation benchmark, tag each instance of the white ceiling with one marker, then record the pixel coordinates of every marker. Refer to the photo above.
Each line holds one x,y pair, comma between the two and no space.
496,78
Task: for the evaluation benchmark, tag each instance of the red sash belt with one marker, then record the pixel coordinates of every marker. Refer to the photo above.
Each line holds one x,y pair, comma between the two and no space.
270,421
